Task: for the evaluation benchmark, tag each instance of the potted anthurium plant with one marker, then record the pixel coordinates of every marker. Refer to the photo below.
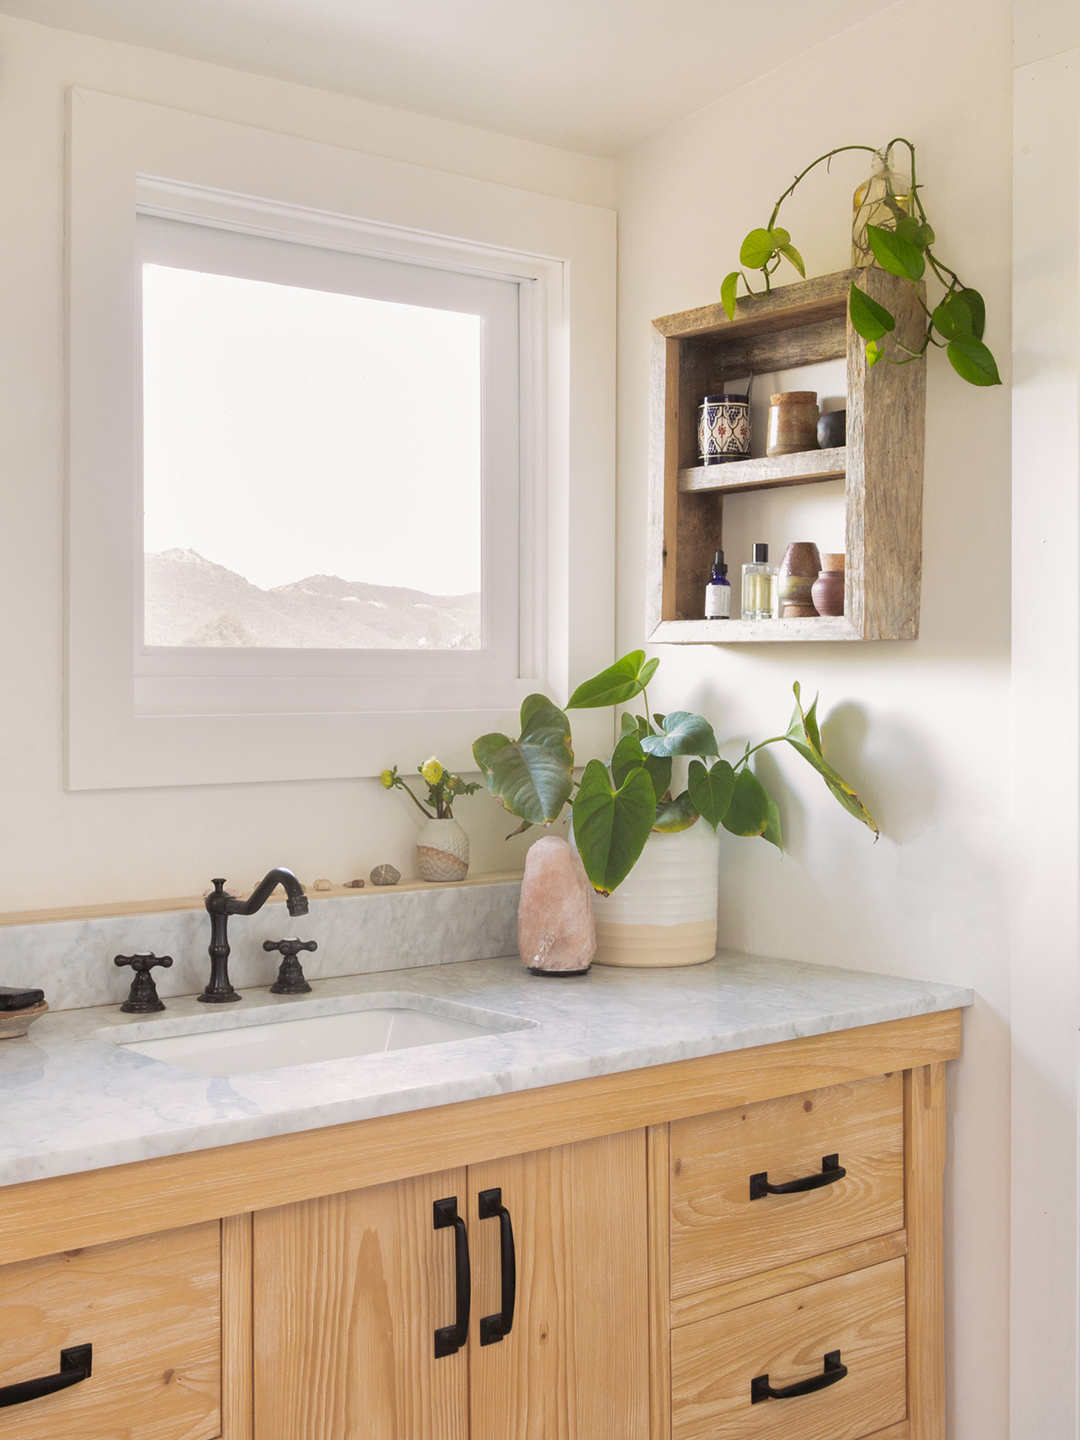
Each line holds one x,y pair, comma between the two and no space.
634,835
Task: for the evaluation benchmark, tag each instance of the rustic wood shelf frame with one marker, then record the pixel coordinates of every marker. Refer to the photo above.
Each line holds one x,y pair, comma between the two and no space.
695,353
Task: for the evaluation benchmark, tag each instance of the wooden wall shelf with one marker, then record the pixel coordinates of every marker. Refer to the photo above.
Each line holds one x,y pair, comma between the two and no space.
769,472
697,352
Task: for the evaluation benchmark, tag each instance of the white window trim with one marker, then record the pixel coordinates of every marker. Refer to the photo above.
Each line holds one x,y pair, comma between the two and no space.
117,147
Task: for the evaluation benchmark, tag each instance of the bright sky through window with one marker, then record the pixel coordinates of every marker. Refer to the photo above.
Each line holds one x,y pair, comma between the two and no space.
295,435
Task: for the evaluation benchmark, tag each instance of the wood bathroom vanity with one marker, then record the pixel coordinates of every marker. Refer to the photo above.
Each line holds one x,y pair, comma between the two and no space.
744,1245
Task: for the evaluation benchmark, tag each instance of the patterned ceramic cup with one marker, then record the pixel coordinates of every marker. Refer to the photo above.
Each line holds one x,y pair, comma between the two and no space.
723,428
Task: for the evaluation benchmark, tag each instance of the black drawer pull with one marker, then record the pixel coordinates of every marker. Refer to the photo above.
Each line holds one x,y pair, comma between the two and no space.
760,1388
831,1170
75,1365
450,1338
494,1327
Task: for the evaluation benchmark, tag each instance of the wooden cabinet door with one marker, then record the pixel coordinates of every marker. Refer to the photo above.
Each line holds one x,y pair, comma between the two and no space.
575,1365
348,1293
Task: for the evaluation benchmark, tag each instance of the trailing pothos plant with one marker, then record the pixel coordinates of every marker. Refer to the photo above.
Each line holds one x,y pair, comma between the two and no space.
903,247
616,806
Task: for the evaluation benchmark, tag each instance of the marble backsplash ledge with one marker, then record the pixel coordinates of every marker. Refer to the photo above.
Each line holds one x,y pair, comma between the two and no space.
72,959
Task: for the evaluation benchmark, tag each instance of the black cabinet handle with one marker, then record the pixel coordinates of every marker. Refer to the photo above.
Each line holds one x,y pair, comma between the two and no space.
760,1388
494,1327
831,1170
75,1365
450,1338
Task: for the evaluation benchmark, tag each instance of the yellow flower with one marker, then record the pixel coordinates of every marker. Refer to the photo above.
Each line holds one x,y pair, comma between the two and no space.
387,778
432,771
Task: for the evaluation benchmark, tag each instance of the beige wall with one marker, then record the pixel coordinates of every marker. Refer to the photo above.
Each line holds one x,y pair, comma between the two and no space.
60,848
921,728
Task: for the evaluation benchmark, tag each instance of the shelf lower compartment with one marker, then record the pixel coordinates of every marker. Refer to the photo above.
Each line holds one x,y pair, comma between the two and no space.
805,467
721,632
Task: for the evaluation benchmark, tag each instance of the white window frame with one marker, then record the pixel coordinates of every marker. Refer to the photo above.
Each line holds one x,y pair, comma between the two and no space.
175,678
119,150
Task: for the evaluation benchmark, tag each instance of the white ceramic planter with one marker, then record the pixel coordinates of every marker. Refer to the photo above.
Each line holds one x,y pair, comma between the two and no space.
664,912
442,850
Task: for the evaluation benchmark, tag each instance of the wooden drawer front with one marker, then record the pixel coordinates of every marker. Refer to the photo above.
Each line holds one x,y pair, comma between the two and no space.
713,1363
719,1234
151,1309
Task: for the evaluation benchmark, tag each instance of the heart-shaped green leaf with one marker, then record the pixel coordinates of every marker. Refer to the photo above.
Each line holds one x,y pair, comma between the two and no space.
772,833
757,249
795,258
874,352
728,290
869,319
682,734
895,254
711,790
532,776
615,685
748,813
908,228
804,736
628,756
977,309
611,826
961,315
675,815
627,725
658,768
972,361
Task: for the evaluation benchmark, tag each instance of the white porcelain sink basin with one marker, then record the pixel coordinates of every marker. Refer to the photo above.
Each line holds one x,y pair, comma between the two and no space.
275,1037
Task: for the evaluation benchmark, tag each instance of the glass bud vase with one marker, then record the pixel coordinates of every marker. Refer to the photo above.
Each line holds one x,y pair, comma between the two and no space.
880,200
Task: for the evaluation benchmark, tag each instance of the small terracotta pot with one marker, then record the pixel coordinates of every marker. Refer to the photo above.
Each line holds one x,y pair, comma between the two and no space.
828,588
798,571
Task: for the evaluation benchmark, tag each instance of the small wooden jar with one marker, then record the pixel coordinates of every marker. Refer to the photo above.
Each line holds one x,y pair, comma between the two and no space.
828,590
793,419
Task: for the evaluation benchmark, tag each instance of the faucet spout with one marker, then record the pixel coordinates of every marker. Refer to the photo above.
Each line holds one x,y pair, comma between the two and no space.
220,906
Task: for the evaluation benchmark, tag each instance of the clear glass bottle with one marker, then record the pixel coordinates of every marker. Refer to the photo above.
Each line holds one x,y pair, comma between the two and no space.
759,587
718,591
881,200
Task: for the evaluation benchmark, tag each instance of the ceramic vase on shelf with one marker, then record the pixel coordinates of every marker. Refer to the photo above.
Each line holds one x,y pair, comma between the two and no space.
828,588
799,569
442,851
664,912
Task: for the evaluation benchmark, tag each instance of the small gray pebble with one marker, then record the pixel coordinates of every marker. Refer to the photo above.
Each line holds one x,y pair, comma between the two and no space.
385,875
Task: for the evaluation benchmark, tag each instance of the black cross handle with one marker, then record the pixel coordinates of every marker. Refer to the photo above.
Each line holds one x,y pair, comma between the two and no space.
290,980
142,997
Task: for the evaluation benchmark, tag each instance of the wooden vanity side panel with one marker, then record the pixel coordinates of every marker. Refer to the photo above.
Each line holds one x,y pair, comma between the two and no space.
924,1115
718,1234
151,1309
575,1365
348,1292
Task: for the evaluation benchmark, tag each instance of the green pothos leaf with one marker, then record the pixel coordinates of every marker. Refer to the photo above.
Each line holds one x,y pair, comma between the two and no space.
869,319
728,292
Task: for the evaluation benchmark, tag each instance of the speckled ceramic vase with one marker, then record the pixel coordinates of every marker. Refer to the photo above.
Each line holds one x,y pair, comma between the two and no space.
664,912
442,851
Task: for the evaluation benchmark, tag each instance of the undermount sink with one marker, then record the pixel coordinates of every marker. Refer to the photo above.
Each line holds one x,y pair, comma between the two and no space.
275,1037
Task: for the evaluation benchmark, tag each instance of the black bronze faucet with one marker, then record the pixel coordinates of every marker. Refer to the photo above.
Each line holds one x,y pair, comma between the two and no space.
220,906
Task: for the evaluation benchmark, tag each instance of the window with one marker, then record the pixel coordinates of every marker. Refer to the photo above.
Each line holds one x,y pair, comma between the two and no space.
330,453
332,496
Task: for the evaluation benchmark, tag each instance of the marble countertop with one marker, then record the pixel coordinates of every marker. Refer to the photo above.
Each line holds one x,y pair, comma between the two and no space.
73,1099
